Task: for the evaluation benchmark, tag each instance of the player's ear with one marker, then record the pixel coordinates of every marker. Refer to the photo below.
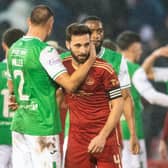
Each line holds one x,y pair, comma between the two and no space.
67,43
4,46
28,21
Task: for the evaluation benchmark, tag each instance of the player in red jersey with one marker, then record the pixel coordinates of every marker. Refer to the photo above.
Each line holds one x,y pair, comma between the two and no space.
95,108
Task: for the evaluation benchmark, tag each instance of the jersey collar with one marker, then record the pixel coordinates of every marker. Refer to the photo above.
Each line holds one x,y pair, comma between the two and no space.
32,37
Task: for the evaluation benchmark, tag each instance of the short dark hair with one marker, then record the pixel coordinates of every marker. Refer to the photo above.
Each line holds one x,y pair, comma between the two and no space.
76,29
126,38
11,35
90,18
41,14
108,43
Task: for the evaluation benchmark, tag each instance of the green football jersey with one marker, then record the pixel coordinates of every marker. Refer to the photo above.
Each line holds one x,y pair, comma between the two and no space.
138,107
34,87
5,114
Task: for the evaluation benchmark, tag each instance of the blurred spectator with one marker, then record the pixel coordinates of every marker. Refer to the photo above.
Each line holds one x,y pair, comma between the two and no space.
148,12
16,14
55,44
63,16
107,43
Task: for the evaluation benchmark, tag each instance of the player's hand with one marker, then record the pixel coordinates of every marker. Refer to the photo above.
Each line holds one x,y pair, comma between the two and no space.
162,51
92,52
134,145
12,103
96,144
163,149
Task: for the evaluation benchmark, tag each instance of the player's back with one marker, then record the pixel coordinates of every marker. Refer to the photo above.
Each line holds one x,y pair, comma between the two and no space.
34,89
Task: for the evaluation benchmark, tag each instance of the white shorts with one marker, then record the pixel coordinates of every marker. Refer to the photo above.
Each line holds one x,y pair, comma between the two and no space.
5,156
35,151
134,161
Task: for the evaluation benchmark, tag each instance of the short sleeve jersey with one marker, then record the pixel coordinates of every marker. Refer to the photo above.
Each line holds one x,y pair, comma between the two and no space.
89,107
5,114
32,66
138,107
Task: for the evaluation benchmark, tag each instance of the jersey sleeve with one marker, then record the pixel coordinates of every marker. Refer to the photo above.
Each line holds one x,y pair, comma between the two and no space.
123,75
111,84
51,62
160,74
146,89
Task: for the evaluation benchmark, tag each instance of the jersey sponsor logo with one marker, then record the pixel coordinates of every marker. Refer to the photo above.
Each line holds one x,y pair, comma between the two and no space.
32,107
53,61
17,62
19,52
90,81
2,123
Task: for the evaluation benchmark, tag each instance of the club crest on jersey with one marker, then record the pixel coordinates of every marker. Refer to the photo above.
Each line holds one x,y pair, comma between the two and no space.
90,81
114,82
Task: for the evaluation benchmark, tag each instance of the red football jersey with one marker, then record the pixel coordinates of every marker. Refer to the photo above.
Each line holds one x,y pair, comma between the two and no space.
89,106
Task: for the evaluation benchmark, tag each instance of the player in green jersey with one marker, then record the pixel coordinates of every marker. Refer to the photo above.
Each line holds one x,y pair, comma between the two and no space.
8,38
35,72
129,44
157,74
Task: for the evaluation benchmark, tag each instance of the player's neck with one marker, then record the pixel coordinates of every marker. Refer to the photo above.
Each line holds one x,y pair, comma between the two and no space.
37,32
128,56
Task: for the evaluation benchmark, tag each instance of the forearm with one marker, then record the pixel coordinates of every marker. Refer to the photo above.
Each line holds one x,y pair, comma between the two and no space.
71,83
146,89
160,74
10,87
114,117
148,65
80,74
129,114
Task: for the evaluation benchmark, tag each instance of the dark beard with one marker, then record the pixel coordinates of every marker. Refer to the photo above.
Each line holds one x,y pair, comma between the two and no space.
77,60
98,48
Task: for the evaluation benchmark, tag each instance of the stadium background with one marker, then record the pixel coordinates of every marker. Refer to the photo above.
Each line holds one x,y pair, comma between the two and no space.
149,18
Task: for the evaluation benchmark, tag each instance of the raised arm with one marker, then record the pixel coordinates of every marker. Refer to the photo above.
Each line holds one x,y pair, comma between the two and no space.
150,60
51,62
147,91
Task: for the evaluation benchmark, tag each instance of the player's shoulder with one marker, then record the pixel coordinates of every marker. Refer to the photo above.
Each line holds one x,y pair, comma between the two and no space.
65,54
133,65
111,52
67,60
103,65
